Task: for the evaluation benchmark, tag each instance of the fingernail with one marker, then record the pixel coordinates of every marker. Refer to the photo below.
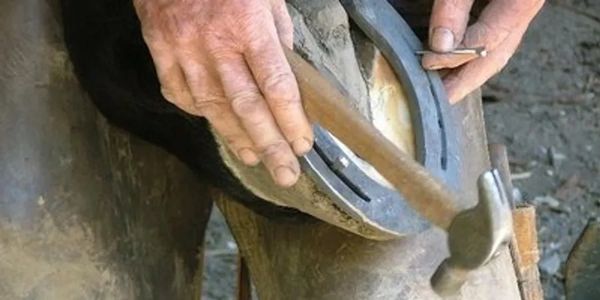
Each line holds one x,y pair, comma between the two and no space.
301,146
248,157
442,40
285,176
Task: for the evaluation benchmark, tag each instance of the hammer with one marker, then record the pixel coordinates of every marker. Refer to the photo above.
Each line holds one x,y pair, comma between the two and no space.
475,235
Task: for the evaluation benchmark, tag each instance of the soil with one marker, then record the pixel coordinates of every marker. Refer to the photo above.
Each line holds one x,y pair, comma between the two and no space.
545,106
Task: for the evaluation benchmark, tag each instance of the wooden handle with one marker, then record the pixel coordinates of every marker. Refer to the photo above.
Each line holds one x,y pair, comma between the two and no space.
326,105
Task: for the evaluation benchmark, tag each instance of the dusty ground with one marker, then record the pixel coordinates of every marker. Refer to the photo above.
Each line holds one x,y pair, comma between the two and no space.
548,114
545,106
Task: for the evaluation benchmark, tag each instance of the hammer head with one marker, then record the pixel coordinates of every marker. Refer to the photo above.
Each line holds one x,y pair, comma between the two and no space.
475,235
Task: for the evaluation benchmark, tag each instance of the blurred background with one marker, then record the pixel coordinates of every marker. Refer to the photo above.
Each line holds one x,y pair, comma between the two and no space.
545,107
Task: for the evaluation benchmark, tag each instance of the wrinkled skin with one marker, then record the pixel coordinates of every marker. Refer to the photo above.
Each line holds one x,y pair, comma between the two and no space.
223,60
499,28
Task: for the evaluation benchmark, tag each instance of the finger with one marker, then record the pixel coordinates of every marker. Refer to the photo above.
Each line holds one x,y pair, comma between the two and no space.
278,84
447,24
498,20
283,23
256,118
172,81
211,103
437,61
464,80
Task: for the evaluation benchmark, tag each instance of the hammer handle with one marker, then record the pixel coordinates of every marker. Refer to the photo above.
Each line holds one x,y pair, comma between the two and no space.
326,105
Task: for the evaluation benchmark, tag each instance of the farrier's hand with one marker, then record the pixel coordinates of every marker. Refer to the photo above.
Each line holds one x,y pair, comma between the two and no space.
499,29
223,60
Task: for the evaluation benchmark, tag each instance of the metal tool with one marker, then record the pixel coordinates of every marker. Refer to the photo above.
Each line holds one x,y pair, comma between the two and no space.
479,51
347,185
425,194
474,235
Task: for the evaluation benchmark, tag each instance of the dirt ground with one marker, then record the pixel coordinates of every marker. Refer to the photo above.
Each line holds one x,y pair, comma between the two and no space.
545,106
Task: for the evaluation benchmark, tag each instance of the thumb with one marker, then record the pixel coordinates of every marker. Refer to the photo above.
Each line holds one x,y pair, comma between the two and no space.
447,25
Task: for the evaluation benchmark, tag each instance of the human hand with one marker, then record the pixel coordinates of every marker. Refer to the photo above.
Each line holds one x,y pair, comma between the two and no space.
499,29
223,60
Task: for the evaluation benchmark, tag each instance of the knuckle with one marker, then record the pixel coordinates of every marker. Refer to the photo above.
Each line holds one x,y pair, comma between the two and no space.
220,48
251,24
476,34
249,16
245,103
281,90
495,31
180,23
256,40
183,32
211,106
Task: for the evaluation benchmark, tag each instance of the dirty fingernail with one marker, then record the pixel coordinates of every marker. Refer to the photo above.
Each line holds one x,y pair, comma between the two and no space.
301,146
248,157
285,176
442,40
